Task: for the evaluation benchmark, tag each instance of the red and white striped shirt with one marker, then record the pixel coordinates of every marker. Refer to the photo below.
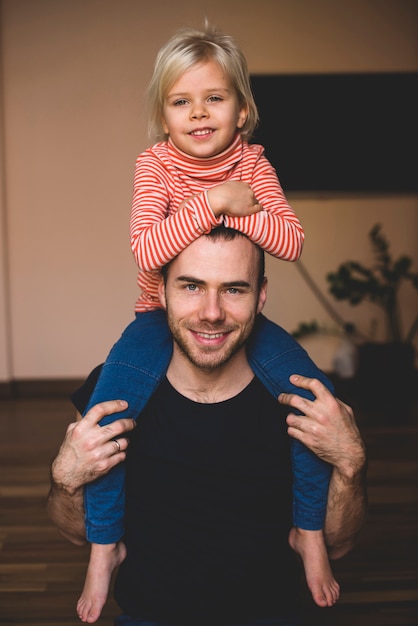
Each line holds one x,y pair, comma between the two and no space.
165,177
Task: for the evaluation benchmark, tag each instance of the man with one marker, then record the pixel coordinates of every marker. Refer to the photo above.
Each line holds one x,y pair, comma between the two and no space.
208,483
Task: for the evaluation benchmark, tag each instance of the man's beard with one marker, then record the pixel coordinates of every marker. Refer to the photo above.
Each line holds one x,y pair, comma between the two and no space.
207,358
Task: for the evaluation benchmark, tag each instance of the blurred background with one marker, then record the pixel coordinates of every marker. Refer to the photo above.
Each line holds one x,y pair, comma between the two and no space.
74,74
72,80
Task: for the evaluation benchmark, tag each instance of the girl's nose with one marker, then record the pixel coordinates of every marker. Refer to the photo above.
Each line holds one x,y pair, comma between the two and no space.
198,111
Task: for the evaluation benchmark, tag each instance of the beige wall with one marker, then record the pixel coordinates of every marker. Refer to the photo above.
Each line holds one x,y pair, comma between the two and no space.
74,74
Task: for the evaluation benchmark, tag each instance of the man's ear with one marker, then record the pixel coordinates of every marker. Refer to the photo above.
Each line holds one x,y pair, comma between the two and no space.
161,292
262,296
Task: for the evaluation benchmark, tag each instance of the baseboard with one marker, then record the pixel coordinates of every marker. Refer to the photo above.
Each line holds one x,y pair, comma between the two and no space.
45,388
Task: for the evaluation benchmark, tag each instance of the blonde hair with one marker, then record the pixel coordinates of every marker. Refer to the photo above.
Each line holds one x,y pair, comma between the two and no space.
184,50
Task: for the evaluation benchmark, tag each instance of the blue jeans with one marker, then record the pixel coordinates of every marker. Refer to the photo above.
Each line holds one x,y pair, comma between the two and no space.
132,372
125,620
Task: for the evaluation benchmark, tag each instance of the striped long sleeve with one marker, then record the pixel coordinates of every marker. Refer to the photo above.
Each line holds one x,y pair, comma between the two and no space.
170,208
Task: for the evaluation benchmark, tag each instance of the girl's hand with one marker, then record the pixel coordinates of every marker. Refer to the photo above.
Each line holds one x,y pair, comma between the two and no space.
233,198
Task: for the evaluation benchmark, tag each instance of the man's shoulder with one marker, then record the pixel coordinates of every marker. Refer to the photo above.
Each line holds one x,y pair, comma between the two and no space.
81,396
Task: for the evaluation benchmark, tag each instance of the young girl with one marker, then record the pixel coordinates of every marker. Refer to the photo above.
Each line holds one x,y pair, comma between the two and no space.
201,173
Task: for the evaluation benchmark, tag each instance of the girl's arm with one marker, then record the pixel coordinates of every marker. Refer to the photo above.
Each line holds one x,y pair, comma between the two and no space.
157,236
276,229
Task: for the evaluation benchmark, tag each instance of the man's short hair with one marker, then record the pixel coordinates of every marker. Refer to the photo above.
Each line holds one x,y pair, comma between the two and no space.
228,234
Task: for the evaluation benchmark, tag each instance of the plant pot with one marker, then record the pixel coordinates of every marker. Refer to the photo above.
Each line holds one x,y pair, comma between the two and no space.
385,380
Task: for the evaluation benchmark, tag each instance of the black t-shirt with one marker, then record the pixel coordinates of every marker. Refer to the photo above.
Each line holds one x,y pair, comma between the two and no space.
208,511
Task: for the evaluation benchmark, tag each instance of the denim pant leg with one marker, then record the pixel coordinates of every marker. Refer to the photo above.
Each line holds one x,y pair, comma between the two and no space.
274,356
134,368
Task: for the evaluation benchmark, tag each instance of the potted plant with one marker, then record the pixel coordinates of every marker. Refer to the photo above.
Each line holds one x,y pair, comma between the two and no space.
386,376
385,370
379,284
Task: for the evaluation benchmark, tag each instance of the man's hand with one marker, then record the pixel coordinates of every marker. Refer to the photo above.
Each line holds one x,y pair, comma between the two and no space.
87,452
328,428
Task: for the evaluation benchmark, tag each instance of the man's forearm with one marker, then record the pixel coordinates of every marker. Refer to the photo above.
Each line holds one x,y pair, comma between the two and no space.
67,512
65,504
347,507
87,452
328,428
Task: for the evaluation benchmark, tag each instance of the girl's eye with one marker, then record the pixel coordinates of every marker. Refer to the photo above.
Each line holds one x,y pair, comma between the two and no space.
215,99
179,102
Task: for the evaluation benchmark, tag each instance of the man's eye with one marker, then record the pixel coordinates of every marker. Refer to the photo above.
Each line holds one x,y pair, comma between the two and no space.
233,290
191,287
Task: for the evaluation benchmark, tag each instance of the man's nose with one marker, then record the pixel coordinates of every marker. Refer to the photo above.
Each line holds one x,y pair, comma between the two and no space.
211,308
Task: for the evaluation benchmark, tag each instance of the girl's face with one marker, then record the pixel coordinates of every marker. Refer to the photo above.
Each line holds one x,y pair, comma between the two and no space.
201,113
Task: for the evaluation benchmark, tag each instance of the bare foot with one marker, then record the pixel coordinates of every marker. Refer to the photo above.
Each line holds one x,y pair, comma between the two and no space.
104,559
310,546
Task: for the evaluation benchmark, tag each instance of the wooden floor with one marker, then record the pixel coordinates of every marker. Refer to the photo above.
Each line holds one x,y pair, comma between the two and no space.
41,574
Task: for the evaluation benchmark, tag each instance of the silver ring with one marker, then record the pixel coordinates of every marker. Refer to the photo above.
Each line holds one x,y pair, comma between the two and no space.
117,446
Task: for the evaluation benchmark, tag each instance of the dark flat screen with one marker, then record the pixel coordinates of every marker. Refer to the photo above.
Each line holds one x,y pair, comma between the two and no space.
340,132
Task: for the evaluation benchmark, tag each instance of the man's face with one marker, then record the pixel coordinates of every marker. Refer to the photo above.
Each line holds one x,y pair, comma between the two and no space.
212,298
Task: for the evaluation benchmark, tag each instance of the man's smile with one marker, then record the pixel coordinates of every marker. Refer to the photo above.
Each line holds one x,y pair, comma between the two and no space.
211,336
215,337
